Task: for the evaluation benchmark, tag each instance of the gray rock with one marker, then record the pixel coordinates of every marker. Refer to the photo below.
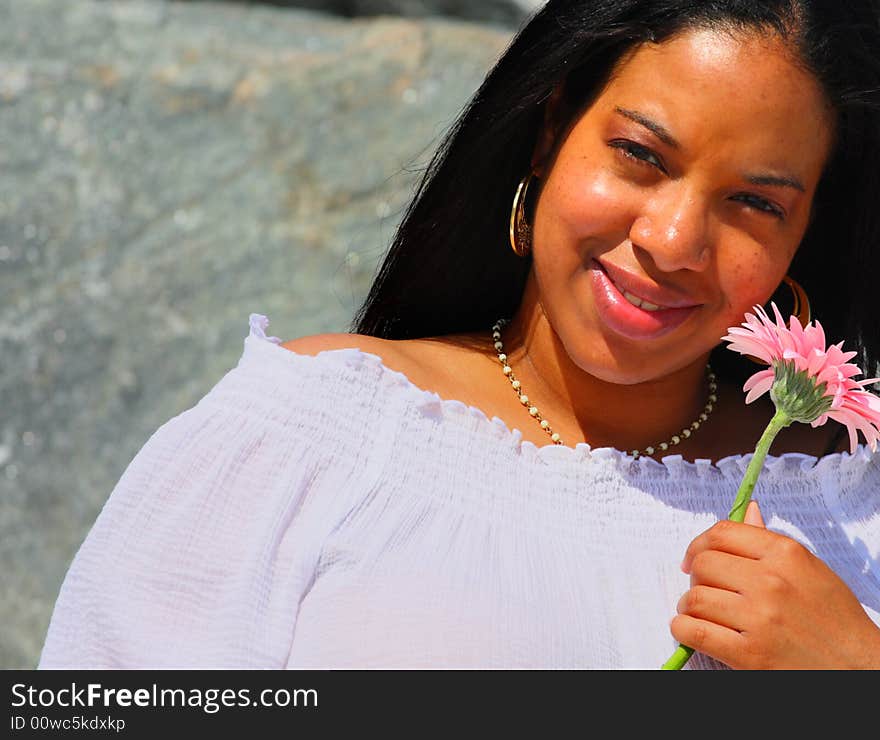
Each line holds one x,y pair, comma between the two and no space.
169,168
509,13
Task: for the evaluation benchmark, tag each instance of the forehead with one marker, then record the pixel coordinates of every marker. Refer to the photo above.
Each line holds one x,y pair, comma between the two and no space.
743,93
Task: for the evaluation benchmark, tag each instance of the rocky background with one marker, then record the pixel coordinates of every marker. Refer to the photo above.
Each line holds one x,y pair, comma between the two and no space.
501,12
166,169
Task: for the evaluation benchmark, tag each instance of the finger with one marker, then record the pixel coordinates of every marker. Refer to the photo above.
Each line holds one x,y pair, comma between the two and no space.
716,605
722,570
753,515
736,538
721,643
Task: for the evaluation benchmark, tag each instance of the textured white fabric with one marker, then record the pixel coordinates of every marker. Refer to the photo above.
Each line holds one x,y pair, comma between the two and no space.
324,512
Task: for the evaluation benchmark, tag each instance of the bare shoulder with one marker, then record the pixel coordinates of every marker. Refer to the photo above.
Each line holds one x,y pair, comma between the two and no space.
396,354
433,363
315,343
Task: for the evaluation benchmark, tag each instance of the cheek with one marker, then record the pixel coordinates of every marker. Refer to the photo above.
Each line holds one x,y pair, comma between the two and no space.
746,284
582,204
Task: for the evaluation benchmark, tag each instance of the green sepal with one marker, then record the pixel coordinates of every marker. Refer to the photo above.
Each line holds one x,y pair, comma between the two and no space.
797,394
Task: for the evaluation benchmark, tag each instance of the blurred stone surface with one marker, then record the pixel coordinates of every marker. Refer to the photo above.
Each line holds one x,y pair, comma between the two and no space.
167,169
508,13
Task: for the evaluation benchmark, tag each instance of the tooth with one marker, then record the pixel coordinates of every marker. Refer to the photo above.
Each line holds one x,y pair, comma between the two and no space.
636,301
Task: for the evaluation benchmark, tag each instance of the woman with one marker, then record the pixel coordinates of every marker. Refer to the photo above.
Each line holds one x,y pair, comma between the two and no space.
393,498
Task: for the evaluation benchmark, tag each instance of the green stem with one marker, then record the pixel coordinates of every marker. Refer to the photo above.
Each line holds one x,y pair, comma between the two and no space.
779,421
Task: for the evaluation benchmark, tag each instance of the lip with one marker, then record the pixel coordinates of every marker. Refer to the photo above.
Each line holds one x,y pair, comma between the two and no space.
629,320
647,292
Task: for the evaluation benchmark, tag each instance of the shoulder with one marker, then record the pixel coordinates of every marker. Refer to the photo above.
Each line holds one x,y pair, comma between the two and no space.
447,365
400,355
393,353
315,343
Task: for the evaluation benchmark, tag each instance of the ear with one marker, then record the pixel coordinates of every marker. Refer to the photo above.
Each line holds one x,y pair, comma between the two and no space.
550,130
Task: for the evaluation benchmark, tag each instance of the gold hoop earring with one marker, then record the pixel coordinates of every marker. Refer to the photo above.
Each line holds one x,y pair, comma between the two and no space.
800,309
520,230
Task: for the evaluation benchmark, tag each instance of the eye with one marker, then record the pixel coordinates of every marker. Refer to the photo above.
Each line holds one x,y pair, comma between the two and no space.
637,153
645,157
762,205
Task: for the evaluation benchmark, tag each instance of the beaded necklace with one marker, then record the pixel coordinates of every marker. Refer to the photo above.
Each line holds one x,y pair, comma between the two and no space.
545,425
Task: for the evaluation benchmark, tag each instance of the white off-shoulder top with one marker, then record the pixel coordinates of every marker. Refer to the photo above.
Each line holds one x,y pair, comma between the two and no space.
324,512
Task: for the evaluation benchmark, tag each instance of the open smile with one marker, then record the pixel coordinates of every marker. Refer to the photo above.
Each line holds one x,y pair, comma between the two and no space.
629,314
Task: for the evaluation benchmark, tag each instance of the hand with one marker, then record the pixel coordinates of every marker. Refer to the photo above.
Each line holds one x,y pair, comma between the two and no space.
761,600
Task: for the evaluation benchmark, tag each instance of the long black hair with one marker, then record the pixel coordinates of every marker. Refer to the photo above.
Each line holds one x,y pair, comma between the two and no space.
450,268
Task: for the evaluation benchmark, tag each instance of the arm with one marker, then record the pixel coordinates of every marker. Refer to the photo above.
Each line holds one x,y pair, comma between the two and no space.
202,553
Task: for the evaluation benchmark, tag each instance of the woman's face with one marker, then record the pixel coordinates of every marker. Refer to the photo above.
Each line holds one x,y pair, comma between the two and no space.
689,181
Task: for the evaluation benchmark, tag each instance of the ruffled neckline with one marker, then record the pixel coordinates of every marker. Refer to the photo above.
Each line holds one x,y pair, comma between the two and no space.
732,466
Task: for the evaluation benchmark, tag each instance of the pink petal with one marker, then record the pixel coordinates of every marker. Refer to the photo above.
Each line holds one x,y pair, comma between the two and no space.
815,337
853,440
779,320
861,411
752,347
759,384
816,362
804,347
850,370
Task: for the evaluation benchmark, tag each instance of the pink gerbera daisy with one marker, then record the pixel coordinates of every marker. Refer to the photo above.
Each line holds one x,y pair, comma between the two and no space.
806,380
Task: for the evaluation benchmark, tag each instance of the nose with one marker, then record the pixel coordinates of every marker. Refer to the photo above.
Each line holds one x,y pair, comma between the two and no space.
673,227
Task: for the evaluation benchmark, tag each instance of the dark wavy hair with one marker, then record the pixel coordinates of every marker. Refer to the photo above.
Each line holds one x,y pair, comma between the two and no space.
450,268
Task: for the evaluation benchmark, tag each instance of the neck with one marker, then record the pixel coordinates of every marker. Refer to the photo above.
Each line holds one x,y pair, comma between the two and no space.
628,403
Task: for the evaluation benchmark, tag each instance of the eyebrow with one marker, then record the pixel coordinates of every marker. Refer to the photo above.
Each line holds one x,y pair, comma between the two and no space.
661,133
